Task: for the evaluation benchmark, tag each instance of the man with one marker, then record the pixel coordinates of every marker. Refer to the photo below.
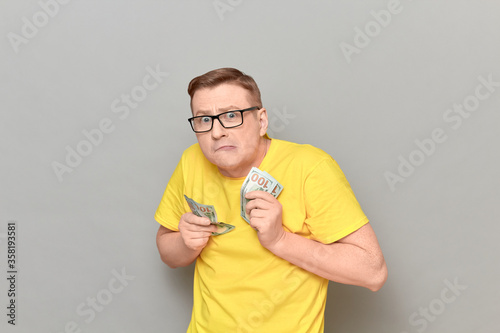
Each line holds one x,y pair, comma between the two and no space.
269,275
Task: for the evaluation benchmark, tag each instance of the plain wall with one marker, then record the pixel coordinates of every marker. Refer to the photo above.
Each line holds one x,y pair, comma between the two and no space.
396,91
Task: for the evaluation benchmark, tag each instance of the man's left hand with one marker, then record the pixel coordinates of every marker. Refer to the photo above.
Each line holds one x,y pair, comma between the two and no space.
265,213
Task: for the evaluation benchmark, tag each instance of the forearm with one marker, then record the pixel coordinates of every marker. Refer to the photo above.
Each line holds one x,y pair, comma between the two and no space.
339,262
174,252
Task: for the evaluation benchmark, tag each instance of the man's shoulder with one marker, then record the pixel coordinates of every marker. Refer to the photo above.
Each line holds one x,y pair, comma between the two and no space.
302,151
192,156
193,151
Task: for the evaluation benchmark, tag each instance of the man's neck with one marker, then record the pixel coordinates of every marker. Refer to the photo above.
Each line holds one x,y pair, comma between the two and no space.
243,172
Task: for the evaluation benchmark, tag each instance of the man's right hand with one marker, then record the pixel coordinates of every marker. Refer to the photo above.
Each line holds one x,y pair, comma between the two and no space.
195,231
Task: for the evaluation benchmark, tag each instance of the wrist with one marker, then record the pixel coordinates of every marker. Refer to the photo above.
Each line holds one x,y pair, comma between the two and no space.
277,246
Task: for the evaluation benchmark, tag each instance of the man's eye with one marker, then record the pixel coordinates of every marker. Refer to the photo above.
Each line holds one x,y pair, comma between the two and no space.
206,119
231,115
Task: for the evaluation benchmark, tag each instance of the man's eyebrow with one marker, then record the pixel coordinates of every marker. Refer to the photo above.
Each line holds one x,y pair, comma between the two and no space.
201,113
229,108
220,110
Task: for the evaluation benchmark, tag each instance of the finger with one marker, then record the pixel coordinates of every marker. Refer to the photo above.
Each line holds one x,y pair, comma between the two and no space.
259,195
196,220
250,208
258,213
213,228
257,204
254,225
205,229
192,228
200,234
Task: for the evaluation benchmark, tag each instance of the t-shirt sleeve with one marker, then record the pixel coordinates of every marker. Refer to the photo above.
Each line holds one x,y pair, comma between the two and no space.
172,207
332,209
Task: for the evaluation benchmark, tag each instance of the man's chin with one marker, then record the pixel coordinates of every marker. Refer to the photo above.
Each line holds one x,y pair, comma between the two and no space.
227,167
224,156
224,164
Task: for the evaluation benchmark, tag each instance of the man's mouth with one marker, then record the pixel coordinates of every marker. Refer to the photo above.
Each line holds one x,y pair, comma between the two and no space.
225,147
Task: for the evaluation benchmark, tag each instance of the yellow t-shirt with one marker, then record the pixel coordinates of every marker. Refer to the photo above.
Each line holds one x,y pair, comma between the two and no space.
239,286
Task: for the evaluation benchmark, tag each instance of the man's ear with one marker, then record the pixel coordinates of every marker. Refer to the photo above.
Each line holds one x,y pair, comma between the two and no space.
263,121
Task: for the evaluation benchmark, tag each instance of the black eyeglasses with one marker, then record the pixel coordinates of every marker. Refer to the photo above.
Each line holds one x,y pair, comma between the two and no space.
227,119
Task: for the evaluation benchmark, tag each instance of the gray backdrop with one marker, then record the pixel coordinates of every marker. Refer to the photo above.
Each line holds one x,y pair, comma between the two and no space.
403,94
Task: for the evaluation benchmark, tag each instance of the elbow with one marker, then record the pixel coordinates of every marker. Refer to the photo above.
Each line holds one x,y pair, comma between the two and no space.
378,277
169,263
172,263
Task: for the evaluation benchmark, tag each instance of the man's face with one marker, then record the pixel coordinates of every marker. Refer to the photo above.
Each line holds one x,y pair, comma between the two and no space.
233,150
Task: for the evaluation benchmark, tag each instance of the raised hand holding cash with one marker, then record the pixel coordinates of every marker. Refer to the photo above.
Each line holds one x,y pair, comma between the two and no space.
266,217
208,211
257,180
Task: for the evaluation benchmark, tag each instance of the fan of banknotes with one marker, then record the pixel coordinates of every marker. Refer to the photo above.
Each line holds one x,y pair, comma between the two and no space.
208,211
257,180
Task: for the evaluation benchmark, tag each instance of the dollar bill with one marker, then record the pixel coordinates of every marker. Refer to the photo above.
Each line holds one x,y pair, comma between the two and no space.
277,187
202,210
277,190
223,227
209,211
257,180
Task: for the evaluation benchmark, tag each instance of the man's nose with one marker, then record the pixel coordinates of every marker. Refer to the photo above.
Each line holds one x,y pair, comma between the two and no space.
218,131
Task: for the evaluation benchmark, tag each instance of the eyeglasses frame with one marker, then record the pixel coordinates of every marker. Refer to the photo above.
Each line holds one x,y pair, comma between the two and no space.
220,122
